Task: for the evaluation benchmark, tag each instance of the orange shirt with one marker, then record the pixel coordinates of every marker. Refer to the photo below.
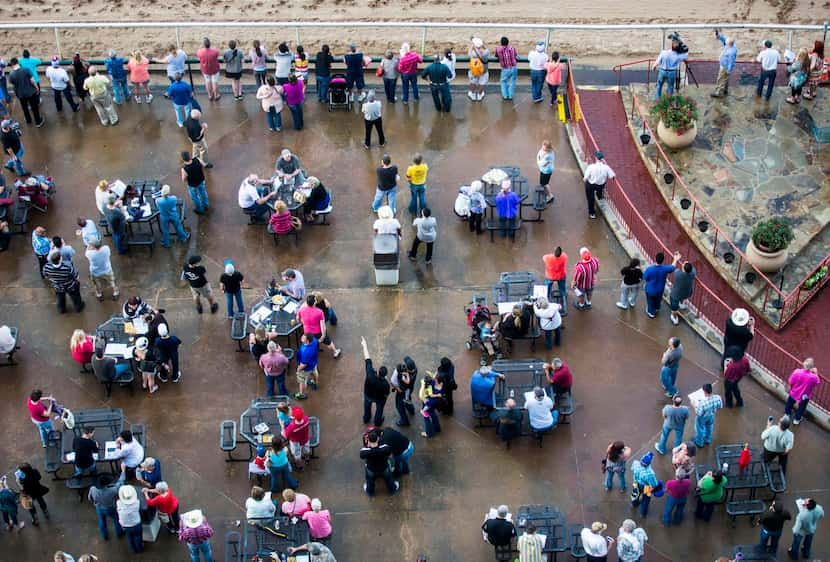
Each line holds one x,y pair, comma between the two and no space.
555,267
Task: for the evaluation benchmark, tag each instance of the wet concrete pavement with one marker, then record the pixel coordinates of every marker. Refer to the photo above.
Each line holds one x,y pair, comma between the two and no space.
455,477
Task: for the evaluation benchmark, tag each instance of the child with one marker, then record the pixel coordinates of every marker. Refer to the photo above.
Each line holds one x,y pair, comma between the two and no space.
283,415
259,460
744,459
489,338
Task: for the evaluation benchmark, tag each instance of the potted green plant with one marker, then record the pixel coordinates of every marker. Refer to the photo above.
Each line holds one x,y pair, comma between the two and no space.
677,127
767,246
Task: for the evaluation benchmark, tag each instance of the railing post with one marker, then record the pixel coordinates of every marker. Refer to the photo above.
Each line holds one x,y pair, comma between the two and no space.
790,40
58,42
547,39
423,41
663,37
297,30
178,39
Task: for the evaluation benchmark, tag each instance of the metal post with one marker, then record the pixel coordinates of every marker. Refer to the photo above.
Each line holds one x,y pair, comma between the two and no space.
826,25
298,36
423,41
58,42
178,39
547,39
790,40
663,37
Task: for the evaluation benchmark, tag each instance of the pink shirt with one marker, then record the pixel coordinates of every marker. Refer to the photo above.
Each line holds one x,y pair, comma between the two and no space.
293,93
273,363
585,274
678,488
802,382
208,60
139,70
300,505
310,316
37,410
319,523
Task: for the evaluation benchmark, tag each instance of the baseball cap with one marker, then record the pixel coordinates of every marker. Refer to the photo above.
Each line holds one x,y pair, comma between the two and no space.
56,62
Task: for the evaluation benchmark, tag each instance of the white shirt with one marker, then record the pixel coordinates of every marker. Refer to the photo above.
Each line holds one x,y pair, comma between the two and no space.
594,544
387,226
57,77
101,200
262,508
450,63
371,110
132,453
598,173
769,59
537,60
248,194
538,412
549,318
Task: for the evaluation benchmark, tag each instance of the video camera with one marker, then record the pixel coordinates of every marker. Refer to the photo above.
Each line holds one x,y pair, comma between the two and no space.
681,47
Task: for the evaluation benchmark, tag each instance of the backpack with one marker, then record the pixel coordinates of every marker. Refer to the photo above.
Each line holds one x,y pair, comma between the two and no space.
476,66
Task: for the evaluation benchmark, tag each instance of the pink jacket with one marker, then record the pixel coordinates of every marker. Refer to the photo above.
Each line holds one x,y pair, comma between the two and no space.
802,382
409,63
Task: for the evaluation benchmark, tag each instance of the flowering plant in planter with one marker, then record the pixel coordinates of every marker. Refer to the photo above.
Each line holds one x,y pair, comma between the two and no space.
772,235
677,112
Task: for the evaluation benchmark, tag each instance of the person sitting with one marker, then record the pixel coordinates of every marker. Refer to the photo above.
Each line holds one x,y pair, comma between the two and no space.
318,200
259,505
318,552
489,339
319,520
294,284
559,376
107,369
150,473
508,421
295,504
251,201
500,530
258,341
288,169
515,324
539,411
281,221
5,235
134,308
82,347
33,190
386,222
8,342
84,447
483,387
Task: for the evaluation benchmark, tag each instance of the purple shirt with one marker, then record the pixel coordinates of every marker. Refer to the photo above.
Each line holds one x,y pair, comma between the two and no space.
507,205
802,382
293,93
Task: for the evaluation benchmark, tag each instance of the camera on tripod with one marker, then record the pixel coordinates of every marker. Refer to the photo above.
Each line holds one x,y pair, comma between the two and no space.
680,47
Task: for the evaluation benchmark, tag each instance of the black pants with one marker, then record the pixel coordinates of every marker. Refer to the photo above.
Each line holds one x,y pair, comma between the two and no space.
703,510
75,294
377,124
173,359
414,251
173,521
441,97
592,193
65,93
367,410
31,103
782,459
475,222
41,261
447,406
730,390
42,503
402,409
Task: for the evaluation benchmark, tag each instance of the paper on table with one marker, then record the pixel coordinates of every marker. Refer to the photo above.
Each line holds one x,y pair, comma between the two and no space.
110,450
118,187
70,456
290,307
696,396
505,307
540,291
117,350
140,326
260,314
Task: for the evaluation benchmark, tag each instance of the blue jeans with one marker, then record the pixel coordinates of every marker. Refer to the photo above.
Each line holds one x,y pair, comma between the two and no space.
296,115
390,198
676,506
367,411
664,436
280,382
387,477
805,548
553,89
199,197
402,461
506,226
508,82
609,479
417,200
645,501
44,428
537,80
229,298
668,376
166,220
90,469
274,118
767,76
182,113
653,303
562,285
119,240
17,163
432,424
553,337
389,87
409,81
665,77
704,425
120,91
195,549
134,538
103,513
799,412
771,538
322,87
282,474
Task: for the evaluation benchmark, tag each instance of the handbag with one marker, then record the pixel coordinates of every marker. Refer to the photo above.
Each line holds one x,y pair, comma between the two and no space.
25,500
379,72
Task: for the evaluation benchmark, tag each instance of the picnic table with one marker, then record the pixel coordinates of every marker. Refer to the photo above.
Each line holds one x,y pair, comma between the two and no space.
520,376
285,193
273,534
549,521
754,478
278,316
108,424
261,410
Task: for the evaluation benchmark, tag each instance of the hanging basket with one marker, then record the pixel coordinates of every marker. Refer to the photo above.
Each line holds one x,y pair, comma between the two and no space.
685,203
668,177
728,257
750,277
703,226
645,138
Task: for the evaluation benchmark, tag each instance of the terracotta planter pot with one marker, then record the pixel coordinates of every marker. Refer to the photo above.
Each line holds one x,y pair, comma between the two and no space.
674,141
765,261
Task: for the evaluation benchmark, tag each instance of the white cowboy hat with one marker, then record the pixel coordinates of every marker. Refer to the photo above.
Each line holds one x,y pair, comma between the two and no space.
740,317
386,212
127,494
193,518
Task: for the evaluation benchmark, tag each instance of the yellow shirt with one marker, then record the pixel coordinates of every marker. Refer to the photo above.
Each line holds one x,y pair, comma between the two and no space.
96,85
417,174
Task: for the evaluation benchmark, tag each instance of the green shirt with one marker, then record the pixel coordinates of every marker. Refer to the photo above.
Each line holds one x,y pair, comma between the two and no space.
711,492
437,73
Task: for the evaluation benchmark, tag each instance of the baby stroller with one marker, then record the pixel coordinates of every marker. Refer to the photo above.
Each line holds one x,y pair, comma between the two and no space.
36,191
339,95
478,314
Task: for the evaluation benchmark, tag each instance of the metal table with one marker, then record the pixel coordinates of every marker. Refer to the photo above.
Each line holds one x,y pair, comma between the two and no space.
115,330
108,424
755,478
285,193
520,376
275,534
280,321
261,410
549,521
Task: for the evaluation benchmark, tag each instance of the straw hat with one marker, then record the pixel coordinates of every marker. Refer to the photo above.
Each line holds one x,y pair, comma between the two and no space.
740,317
193,518
386,212
127,494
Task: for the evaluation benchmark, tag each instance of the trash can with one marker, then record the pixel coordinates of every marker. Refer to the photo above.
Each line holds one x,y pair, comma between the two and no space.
386,259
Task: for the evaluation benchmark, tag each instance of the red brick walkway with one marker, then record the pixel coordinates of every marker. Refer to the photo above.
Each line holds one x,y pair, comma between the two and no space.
807,335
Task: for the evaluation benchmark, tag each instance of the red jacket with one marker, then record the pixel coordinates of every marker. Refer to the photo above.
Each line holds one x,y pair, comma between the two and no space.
409,63
165,503
298,431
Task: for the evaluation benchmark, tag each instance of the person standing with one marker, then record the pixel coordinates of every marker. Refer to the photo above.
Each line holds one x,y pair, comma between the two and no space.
595,178
530,544
118,75
387,176
802,383
738,332
710,491
677,493
176,61
631,542
195,532
274,364
372,117
196,130
508,61
389,71
682,286
705,416
98,87
778,441
322,73
632,276
772,525
616,455
209,65
669,365
446,370
556,271
439,76
103,496
376,456
727,64
31,63
165,502
733,371
193,175
478,73
667,66
8,507
13,147
595,544
117,223
139,69
231,284
259,62
181,94
59,80
553,77
545,160
64,279
375,389
674,419
27,89
769,59
585,278
354,71
129,517
408,68
294,93
416,173
645,481
655,277
196,276
308,356
449,61
816,68
284,58
41,247
809,513
550,321
167,206
100,269
28,480
537,59
167,346
426,232
233,68
40,412
403,384
507,207
270,96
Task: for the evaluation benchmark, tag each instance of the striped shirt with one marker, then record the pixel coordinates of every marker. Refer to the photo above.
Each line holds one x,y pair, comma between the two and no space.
708,406
62,276
585,274
530,548
507,56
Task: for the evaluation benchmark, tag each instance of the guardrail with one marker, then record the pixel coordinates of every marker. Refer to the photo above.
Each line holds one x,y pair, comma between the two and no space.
704,303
